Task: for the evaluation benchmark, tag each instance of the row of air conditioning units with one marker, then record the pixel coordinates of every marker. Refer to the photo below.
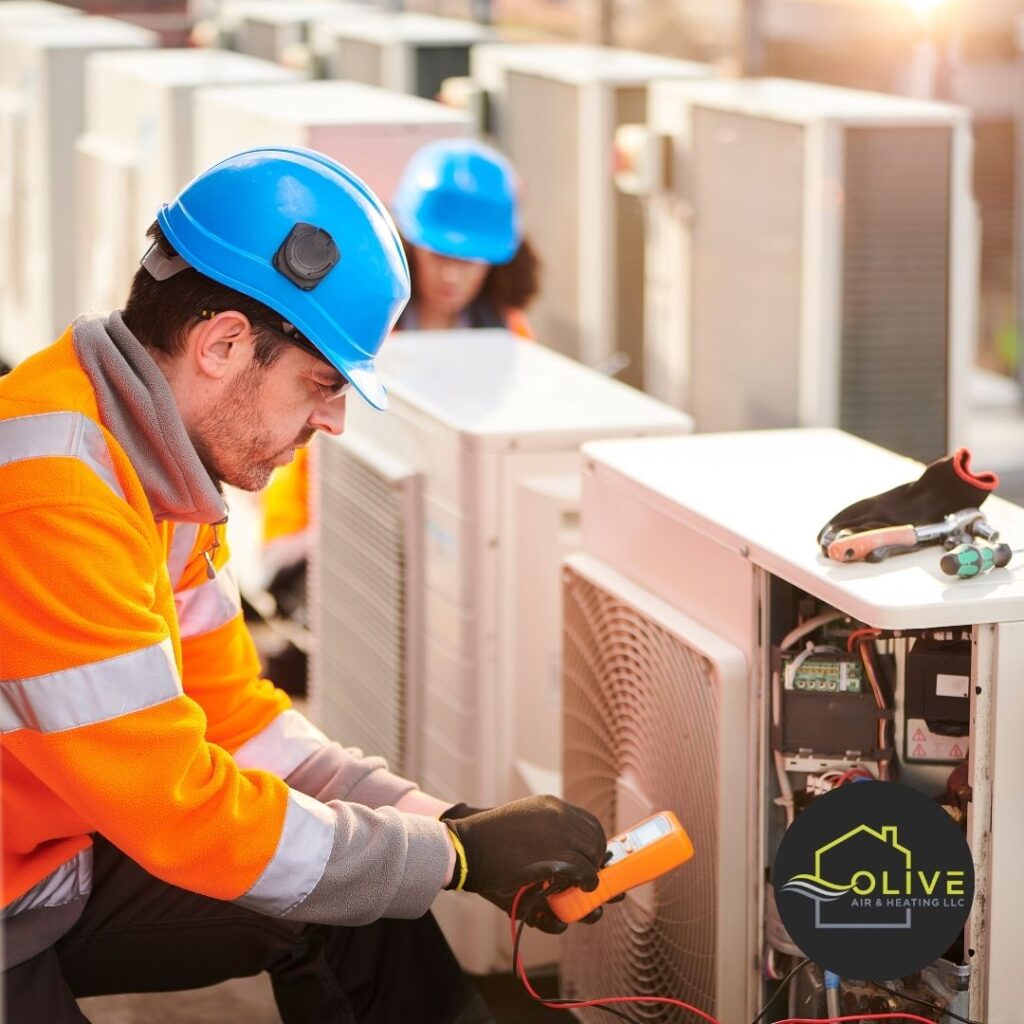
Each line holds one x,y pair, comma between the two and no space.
504,612
787,254
639,285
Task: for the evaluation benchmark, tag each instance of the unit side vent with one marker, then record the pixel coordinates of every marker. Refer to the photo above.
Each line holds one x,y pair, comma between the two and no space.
436,63
643,731
552,212
895,290
747,271
364,596
628,249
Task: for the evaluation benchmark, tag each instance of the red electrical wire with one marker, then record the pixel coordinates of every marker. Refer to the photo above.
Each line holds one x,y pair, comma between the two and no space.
858,634
583,1004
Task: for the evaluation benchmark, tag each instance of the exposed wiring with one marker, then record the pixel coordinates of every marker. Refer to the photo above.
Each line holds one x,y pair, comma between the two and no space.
857,634
607,1003
809,627
925,1002
766,1009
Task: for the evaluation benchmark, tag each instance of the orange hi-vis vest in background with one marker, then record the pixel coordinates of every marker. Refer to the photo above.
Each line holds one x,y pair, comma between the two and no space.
131,701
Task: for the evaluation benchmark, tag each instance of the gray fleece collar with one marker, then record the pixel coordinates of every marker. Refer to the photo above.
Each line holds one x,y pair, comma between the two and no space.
137,407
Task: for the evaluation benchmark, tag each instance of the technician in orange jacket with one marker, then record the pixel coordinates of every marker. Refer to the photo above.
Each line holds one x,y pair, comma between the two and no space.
458,211
169,820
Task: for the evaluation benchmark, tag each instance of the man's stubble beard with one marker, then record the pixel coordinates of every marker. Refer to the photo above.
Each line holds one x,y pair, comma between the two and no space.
229,441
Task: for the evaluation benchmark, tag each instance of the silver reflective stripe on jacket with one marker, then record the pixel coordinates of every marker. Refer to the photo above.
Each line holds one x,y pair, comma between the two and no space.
55,435
299,860
282,746
90,693
70,881
182,543
210,605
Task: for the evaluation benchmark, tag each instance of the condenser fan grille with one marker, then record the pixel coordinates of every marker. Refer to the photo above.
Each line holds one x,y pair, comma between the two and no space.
359,589
641,725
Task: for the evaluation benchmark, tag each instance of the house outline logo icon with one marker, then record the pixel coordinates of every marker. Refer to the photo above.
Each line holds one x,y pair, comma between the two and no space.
873,880
823,891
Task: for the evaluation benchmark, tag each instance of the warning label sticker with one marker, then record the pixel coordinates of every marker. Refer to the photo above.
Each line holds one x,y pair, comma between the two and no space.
921,744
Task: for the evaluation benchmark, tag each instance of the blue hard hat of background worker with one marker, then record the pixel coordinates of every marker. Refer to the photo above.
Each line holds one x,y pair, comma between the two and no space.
459,198
302,234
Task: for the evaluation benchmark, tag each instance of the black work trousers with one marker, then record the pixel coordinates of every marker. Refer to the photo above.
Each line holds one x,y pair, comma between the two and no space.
138,934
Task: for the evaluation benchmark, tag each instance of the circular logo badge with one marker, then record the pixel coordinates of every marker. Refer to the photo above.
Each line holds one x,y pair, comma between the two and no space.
874,881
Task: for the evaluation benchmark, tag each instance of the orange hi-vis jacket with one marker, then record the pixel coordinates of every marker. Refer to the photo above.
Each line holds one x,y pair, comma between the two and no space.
131,701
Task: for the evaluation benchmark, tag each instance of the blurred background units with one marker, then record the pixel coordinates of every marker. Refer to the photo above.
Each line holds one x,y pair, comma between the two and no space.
762,213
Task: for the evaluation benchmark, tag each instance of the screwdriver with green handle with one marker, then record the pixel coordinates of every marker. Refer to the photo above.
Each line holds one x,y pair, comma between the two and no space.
966,560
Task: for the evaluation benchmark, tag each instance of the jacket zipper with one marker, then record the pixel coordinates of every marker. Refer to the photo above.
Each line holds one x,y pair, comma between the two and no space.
208,553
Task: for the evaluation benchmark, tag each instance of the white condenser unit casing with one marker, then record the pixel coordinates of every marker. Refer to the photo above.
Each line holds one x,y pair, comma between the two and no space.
136,152
658,716
812,261
41,99
588,234
407,52
691,571
372,131
270,28
441,530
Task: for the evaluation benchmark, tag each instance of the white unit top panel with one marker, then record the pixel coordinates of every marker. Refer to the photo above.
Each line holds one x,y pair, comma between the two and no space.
424,29
782,99
766,494
290,12
492,385
581,63
330,102
31,12
86,33
191,67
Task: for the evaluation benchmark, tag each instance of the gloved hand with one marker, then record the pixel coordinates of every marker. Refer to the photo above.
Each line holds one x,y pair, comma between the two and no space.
539,838
947,485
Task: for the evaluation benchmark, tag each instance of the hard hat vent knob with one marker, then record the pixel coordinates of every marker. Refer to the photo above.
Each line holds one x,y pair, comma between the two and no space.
306,256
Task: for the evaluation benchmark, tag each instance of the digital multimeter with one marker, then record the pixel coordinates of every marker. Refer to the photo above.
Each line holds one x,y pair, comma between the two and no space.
640,854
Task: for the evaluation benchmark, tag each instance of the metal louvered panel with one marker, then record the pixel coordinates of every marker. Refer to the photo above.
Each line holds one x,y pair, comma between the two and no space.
364,597
747,271
995,176
436,63
628,251
549,161
359,61
895,288
653,707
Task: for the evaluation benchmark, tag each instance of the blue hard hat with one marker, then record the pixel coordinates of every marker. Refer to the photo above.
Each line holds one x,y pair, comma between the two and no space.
458,197
300,233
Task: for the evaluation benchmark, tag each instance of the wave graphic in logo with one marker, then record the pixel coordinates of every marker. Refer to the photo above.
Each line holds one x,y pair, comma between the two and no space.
814,888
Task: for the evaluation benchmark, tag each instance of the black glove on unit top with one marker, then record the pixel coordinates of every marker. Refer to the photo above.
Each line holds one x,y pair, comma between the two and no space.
947,485
536,839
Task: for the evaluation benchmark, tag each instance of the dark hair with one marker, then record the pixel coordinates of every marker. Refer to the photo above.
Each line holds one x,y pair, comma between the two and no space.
507,286
159,313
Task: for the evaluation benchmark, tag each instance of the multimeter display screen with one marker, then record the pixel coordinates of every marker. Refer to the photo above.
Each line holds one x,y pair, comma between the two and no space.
649,832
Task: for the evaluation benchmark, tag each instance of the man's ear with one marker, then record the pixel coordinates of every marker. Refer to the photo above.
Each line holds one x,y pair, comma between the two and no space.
221,346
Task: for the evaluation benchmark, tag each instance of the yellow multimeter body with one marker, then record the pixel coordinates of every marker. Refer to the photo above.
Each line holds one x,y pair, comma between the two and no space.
640,854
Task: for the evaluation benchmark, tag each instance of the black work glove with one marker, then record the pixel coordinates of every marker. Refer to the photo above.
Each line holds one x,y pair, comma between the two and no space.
539,838
947,485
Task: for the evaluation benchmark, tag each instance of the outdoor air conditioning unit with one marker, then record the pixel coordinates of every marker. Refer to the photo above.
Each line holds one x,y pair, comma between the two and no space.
812,260
41,85
371,131
441,527
674,614
590,236
275,29
411,53
957,53
136,152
